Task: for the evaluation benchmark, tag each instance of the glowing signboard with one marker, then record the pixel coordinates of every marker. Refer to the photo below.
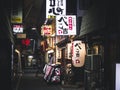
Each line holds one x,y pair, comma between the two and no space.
66,25
17,29
47,30
55,7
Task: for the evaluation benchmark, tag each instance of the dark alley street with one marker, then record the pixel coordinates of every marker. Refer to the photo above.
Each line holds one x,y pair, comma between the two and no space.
29,81
60,45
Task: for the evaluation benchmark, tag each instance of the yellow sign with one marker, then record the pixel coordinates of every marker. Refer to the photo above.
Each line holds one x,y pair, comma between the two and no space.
21,35
16,20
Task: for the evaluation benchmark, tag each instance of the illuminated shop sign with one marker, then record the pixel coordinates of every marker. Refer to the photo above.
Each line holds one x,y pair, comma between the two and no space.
17,29
55,7
47,30
66,25
26,42
78,53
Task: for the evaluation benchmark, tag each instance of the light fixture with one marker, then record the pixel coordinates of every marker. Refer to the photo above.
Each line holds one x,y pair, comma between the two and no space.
34,28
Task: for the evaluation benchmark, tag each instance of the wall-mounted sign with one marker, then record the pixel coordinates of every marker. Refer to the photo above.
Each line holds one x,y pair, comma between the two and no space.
47,30
26,42
20,35
55,7
17,29
66,25
78,53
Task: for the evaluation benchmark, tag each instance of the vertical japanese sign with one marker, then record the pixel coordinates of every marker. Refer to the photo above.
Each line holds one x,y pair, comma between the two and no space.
66,25
55,7
68,51
78,53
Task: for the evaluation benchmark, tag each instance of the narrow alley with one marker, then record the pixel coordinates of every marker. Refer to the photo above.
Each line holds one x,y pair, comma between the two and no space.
29,81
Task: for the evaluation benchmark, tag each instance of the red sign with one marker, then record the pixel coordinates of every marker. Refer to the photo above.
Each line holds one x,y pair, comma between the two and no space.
47,29
26,42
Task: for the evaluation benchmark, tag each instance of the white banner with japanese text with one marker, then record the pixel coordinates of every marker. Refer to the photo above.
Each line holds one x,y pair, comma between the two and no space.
55,7
66,25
